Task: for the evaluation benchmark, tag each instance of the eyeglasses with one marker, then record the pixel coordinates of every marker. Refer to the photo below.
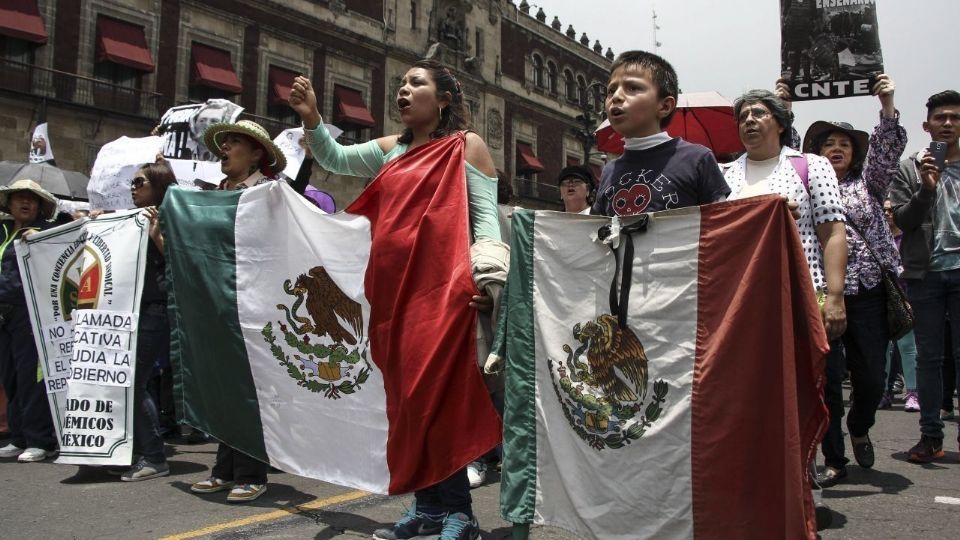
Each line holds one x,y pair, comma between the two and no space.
571,181
138,182
758,113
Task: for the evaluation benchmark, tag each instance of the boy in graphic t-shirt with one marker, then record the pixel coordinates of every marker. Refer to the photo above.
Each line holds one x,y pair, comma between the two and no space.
656,172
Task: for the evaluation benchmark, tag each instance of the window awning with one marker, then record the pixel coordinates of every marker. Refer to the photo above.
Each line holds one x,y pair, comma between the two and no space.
212,67
123,43
527,161
350,108
21,19
281,82
571,161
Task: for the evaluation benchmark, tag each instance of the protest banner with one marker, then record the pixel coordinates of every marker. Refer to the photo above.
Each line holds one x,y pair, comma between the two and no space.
182,127
117,161
829,48
294,147
83,282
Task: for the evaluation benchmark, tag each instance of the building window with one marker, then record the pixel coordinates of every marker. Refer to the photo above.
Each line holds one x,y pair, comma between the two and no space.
478,39
552,77
537,71
16,50
413,15
278,95
351,114
599,95
123,76
570,86
122,57
581,91
212,75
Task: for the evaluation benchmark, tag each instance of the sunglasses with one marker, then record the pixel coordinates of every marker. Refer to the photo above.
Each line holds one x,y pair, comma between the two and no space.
138,182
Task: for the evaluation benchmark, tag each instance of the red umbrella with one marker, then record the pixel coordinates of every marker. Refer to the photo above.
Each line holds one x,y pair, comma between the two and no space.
702,117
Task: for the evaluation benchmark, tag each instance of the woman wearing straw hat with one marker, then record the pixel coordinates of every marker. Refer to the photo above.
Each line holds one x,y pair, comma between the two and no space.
865,166
248,158
31,427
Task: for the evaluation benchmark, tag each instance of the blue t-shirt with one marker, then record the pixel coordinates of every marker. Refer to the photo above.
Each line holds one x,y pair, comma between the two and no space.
945,252
674,174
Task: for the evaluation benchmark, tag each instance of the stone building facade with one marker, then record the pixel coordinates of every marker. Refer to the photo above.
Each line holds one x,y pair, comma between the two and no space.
107,68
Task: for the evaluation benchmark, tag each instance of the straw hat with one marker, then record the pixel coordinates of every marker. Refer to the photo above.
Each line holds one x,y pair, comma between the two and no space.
48,203
213,136
860,138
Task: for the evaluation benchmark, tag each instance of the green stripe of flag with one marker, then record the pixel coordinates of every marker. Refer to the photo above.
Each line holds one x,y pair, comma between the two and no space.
518,486
198,230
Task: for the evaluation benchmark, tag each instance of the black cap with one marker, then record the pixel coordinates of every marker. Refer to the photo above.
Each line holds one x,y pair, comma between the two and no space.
577,171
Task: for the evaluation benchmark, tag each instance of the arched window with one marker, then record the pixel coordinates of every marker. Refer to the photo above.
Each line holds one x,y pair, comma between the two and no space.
552,77
581,90
570,86
599,95
537,71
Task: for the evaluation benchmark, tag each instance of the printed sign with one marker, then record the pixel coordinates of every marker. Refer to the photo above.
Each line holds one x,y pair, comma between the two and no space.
829,48
182,127
117,161
83,283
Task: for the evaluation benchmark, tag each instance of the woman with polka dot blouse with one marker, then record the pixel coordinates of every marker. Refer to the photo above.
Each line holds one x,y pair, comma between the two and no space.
765,125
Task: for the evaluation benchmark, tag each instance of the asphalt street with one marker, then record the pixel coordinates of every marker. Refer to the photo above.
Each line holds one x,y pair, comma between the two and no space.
45,500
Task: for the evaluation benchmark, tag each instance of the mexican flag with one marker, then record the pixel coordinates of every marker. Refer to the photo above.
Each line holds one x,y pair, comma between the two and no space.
676,394
333,346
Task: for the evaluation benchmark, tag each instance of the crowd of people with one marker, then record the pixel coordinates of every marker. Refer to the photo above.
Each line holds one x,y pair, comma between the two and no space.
862,214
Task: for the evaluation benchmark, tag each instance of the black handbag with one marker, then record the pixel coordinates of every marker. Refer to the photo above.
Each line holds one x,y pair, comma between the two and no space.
899,312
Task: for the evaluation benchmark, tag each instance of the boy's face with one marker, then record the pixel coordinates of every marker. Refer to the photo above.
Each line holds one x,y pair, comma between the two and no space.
634,106
943,124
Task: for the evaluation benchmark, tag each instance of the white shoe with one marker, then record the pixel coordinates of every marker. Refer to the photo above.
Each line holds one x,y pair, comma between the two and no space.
476,473
10,451
31,455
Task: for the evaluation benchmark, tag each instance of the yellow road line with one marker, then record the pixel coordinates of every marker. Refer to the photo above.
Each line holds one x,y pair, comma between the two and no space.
269,516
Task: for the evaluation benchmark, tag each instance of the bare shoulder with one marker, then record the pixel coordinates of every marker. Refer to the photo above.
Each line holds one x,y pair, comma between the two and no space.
479,156
387,143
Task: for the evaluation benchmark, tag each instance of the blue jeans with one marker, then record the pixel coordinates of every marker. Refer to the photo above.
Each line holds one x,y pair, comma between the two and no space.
933,298
864,345
907,347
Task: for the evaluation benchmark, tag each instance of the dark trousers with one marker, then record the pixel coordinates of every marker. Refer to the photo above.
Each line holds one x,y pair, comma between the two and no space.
28,411
448,497
933,298
238,467
153,340
864,355
949,371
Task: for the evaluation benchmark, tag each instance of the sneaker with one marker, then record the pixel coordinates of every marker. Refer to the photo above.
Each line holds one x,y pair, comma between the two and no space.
10,451
197,437
32,455
144,470
912,402
411,525
246,492
927,450
898,385
459,527
476,473
946,415
886,401
211,485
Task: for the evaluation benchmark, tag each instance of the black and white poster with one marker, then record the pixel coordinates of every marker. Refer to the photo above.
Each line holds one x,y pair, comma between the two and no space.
829,48
182,127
